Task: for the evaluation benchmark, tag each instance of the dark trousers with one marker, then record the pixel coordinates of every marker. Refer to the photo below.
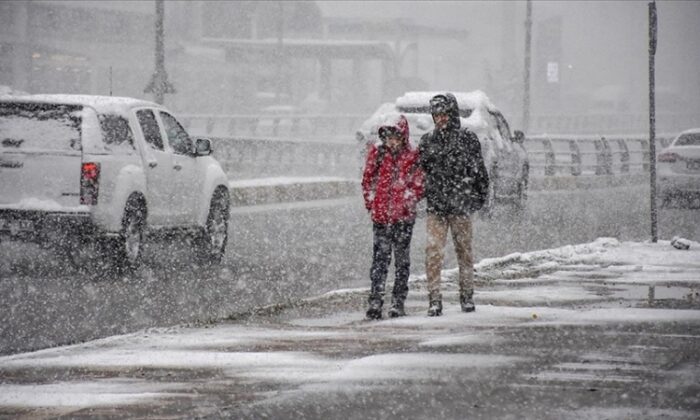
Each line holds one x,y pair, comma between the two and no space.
396,237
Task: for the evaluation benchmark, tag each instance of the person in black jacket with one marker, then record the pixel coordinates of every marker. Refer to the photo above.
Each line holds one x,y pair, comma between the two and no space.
456,185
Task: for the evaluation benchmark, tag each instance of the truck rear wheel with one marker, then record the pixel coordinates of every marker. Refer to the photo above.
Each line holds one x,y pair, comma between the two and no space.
211,243
128,246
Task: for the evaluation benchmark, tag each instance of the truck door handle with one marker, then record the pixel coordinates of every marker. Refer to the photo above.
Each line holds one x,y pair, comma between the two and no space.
152,164
177,167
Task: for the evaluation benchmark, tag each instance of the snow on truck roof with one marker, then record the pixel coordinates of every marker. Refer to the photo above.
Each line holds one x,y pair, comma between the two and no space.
101,104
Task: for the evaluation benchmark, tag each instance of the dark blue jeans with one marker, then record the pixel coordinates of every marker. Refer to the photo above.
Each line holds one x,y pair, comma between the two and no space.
396,237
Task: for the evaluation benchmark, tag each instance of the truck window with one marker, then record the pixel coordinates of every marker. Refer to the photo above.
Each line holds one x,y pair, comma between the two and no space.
149,126
177,136
116,131
40,126
688,139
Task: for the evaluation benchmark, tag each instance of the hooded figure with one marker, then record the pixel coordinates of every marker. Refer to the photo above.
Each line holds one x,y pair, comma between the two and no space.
456,185
456,178
392,185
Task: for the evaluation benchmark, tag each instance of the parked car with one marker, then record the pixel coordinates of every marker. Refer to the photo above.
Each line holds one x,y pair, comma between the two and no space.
503,151
85,171
678,169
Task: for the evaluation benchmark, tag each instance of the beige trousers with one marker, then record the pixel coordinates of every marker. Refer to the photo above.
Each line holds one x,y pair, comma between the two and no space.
461,227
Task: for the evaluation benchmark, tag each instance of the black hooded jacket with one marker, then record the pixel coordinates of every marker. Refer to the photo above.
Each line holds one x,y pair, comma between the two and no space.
456,181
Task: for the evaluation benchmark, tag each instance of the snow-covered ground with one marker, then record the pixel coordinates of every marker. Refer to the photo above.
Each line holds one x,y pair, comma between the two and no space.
323,347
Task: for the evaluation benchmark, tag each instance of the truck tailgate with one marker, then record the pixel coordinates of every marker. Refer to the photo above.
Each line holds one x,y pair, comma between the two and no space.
40,181
40,156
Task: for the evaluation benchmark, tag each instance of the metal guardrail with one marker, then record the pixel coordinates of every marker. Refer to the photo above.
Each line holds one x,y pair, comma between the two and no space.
251,146
588,155
549,156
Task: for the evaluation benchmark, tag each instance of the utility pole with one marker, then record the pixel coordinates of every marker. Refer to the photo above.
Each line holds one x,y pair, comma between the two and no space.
159,85
280,53
652,118
526,87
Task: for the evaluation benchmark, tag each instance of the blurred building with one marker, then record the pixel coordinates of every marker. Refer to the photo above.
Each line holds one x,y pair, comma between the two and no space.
241,57
222,57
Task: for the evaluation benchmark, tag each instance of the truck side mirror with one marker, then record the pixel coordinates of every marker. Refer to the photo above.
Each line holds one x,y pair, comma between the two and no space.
203,147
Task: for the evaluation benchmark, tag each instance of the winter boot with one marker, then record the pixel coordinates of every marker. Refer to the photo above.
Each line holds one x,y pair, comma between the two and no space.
467,303
435,308
397,309
375,309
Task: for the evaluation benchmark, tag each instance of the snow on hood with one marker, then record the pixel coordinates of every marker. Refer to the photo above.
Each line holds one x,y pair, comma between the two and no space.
415,107
466,100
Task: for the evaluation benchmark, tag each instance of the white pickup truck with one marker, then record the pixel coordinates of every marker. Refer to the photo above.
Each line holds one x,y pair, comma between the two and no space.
85,171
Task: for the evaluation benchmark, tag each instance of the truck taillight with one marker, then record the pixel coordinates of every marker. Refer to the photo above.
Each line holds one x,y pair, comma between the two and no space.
668,157
89,183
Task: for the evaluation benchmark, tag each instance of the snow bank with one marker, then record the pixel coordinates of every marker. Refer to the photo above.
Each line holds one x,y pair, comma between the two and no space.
106,392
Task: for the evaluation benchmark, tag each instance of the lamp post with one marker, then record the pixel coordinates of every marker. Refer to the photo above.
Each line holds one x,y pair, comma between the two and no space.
159,84
652,119
526,82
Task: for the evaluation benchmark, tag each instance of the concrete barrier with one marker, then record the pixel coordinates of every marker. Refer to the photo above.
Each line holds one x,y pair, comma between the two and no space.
586,182
247,194
307,190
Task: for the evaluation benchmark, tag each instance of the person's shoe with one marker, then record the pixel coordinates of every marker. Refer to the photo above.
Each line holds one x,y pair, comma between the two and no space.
467,303
375,309
397,310
435,308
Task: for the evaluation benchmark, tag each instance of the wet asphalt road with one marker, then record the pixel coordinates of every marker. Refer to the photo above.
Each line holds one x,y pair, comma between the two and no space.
323,361
280,253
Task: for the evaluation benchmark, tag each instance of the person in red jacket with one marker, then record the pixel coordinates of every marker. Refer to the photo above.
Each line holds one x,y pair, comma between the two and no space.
392,185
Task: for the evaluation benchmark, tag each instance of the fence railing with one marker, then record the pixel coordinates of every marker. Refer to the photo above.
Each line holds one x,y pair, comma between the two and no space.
549,156
588,155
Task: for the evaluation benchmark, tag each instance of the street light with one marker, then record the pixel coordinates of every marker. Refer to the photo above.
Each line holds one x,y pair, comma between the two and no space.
526,82
652,118
159,84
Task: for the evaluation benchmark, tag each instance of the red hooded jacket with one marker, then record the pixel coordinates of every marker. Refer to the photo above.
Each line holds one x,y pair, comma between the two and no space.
392,182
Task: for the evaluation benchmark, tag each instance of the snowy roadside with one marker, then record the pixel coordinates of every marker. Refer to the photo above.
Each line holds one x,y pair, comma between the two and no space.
262,191
323,345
